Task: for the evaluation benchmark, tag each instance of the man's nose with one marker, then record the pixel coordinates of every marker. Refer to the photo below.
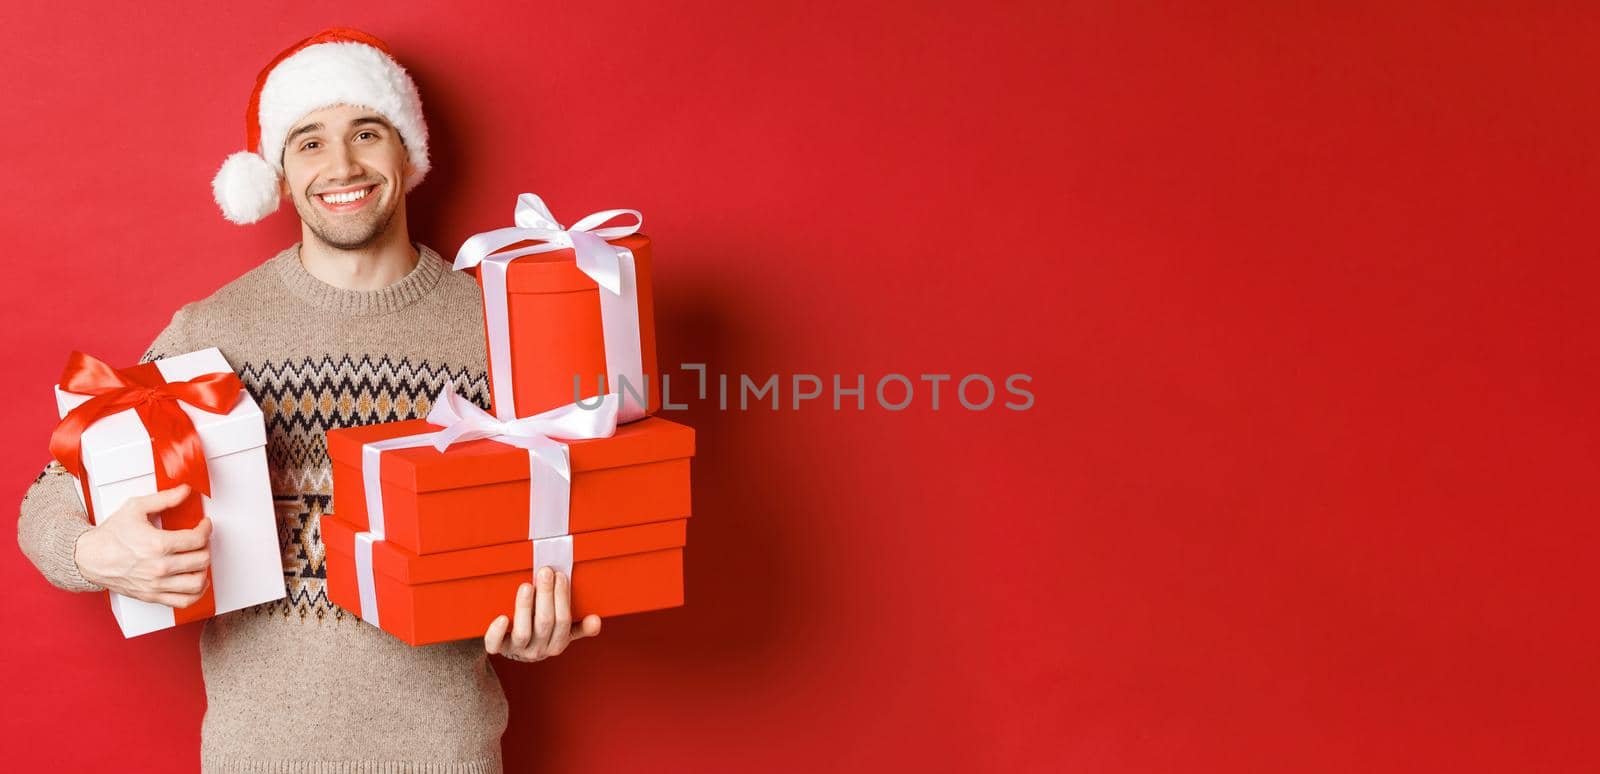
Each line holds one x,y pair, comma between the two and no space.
344,164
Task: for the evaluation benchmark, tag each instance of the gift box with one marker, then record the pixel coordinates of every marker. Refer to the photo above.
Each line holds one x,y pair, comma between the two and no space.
185,419
454,595
564,307
486,491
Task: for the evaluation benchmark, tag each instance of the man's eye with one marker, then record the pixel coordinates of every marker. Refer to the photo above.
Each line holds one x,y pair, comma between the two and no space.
374,134
308,145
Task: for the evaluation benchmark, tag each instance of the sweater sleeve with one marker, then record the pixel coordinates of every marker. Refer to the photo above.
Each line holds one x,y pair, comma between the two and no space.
52,515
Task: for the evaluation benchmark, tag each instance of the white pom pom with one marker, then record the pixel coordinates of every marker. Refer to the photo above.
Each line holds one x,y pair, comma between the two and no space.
246,188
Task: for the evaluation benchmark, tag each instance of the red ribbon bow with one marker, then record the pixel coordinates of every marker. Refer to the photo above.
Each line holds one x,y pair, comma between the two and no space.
174,443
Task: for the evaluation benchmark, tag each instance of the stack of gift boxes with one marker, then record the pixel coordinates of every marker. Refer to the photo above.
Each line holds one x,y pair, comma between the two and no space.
437,521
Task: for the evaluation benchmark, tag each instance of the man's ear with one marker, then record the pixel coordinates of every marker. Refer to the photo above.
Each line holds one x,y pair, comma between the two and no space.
283,178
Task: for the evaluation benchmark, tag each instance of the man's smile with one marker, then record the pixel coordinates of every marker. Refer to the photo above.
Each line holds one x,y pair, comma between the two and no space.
347,200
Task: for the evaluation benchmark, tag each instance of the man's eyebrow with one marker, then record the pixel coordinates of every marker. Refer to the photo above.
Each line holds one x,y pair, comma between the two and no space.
311,127
316,125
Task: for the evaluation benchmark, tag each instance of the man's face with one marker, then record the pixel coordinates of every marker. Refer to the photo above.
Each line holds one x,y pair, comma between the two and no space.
349,151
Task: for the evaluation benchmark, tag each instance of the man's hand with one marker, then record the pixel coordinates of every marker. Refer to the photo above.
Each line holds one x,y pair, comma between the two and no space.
544,626
127,553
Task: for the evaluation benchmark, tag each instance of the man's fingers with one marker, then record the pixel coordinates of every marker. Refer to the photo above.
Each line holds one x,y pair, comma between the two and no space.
561,632
192,539
544,612
541,623
174,600
188,561
162,499
522,626
496,636
589,627
185,583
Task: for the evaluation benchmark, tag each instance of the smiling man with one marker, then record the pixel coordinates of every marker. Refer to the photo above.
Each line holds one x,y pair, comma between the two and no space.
352,325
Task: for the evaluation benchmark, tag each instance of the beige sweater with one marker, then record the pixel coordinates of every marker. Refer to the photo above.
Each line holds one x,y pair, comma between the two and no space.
315,356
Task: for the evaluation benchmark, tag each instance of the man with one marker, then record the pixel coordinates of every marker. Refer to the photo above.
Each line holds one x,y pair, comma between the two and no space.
355,324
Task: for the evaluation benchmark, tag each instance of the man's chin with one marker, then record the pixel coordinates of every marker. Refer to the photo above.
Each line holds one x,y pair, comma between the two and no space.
348,243
344,239
343,236
351,236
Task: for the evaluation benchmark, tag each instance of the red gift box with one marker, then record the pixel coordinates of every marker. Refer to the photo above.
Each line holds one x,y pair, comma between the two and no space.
556,333
424,599
476,493
555,309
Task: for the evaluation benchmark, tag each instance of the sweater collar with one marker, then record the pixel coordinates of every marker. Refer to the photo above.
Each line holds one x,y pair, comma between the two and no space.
361,303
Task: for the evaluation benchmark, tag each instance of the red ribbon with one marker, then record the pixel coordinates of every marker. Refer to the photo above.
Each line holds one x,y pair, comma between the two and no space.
174,442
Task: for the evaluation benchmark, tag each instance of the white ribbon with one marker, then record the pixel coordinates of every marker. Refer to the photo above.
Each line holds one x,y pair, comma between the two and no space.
555,553
372,488
610,266
549,472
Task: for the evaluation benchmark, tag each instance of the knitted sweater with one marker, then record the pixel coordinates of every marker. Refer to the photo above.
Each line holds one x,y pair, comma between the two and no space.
315,356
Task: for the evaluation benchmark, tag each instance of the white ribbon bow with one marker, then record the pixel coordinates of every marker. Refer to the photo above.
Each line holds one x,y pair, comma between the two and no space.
534,221
610,266
464,421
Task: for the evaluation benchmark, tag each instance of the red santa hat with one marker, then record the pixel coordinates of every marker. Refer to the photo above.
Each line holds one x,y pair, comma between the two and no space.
336,66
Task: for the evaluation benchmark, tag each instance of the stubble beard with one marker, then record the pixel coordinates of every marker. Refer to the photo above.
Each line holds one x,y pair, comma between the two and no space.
347,233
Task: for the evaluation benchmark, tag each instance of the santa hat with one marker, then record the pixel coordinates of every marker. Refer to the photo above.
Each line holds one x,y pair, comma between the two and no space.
337,65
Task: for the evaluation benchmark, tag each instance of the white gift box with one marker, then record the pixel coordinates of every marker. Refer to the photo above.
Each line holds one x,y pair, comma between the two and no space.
246,562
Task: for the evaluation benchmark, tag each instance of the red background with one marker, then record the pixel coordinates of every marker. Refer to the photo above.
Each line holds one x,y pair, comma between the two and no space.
1306,296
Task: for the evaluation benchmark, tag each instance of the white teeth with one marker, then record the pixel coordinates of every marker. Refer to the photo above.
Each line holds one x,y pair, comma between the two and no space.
343,198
